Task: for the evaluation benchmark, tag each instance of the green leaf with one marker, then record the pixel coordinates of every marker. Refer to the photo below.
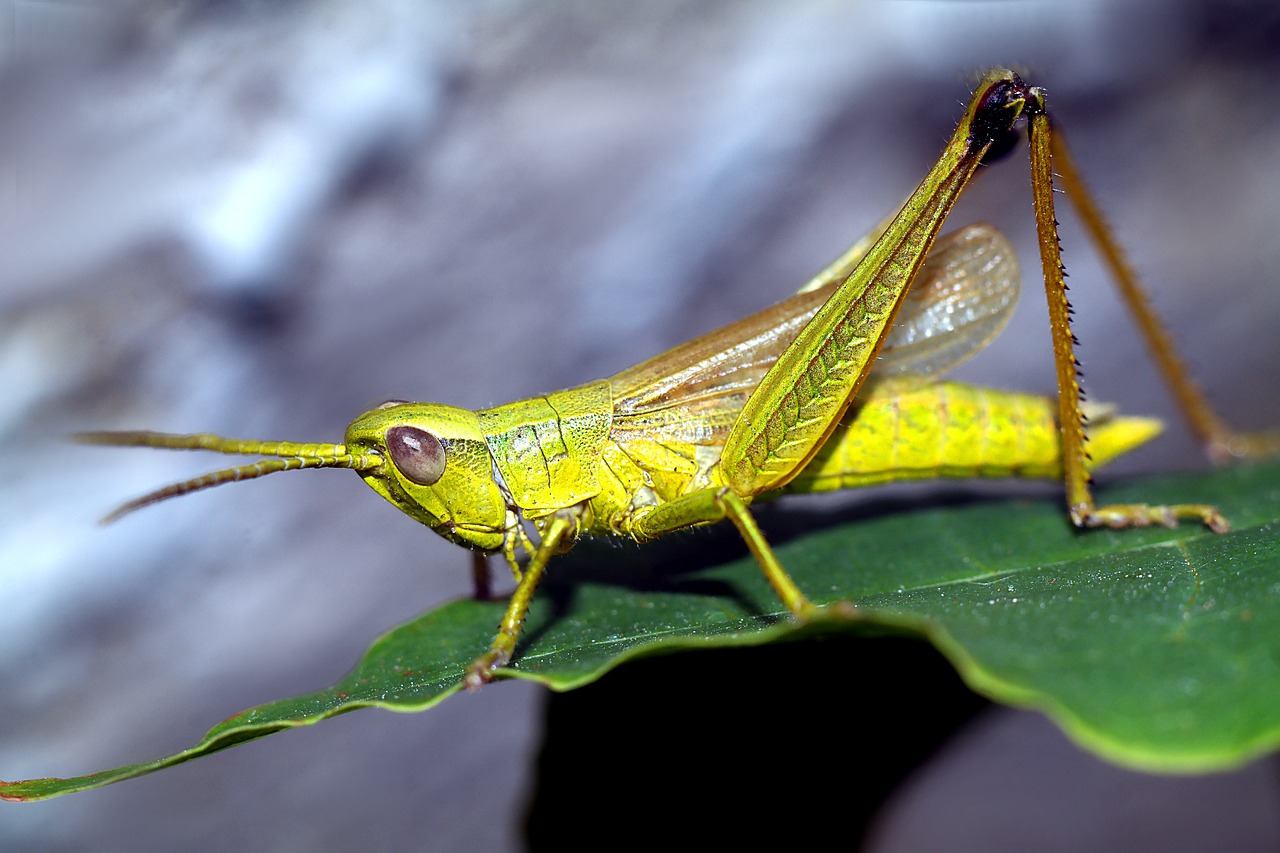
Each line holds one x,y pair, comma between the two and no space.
1158,649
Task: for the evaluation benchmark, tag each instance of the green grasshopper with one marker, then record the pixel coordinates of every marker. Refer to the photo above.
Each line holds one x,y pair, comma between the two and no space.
835,387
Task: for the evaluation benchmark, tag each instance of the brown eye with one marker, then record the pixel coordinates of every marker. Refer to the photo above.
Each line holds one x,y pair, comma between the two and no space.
417,454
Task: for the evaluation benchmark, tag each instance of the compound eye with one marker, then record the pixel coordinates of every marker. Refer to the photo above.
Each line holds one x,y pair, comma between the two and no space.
417,454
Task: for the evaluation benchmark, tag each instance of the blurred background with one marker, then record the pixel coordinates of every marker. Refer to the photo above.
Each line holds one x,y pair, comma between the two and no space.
261,219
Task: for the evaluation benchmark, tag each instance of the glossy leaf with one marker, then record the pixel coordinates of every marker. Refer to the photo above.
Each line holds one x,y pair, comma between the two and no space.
1158,649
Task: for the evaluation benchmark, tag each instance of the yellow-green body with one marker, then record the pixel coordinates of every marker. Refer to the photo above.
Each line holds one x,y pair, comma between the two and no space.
836,387
554,452
574,450
567,450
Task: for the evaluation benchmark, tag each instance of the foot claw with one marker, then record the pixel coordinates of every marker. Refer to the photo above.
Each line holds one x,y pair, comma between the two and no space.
480,672
1143,515
843,610
837,610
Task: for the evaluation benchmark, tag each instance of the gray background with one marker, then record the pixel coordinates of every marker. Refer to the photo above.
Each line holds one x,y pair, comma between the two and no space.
263,218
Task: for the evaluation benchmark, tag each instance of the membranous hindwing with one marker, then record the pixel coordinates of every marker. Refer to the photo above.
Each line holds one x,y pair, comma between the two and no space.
962,298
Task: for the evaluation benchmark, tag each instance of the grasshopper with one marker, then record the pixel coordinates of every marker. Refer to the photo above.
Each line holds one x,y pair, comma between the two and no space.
836,387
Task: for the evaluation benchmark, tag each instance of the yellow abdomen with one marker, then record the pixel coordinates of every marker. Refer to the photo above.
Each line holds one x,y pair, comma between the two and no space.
952,430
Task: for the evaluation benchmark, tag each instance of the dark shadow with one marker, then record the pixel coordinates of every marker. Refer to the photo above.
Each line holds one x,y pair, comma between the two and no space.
796,744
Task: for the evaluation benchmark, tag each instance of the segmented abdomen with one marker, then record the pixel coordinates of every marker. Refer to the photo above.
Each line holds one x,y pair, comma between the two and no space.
952,430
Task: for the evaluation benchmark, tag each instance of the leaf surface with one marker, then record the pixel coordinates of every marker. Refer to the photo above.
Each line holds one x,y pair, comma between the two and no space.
1158,649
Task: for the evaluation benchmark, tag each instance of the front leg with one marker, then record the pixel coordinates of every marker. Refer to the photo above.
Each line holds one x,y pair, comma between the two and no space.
560,532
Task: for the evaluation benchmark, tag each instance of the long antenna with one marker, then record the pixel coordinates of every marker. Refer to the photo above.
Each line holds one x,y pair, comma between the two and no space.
290,455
